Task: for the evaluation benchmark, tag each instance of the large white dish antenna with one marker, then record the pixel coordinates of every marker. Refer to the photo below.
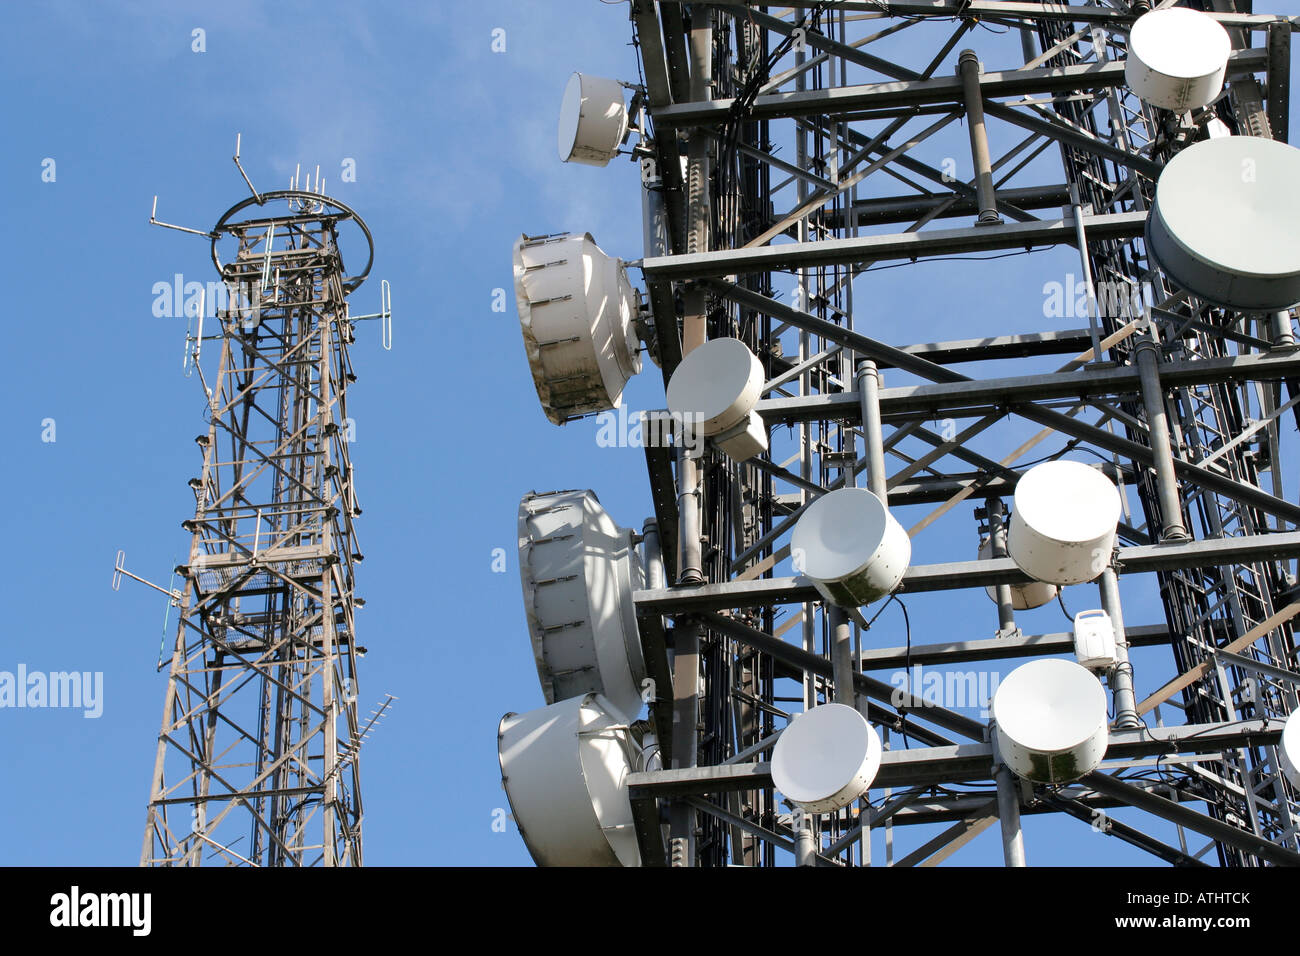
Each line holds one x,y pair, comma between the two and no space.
1063,526
578,570
576,310
564,769
1223,224
851,547
593,120
1050,716
1177,58
826,758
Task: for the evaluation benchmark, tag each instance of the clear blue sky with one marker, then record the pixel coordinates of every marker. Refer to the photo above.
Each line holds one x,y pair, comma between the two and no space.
454,149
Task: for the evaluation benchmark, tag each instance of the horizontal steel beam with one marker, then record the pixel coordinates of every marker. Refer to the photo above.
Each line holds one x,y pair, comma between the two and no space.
1082,383
841,100
996,649
879,212
1170,556
903,245
972,761
1015,9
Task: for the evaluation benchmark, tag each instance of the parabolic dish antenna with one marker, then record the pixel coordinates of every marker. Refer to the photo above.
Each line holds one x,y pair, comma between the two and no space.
564,768
1063,526
1051,720
851,547
593,120
576,312
578,570
1177,58
826,758
1223,224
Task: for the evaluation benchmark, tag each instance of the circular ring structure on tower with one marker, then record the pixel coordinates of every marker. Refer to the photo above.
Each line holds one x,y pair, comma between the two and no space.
1223,224
826,758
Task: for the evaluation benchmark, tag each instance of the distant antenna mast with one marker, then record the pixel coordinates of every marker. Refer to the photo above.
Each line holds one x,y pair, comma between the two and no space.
257,761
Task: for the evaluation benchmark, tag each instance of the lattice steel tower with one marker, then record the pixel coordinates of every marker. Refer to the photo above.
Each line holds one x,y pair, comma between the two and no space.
785,156
257,759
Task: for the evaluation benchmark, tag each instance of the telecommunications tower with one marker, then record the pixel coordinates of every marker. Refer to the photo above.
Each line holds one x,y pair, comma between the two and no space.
257,761
715,683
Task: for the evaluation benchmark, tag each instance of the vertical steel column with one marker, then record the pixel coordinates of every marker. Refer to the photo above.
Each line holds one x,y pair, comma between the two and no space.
805,838
686,632
1013,838
1121,678
1283,337
998,543
969,69
1153,399
868,377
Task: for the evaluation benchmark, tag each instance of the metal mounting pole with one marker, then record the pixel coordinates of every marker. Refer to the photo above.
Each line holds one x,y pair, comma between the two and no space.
1121,678
1283,337
998,543
968,67
868,377
1153,398
1013,838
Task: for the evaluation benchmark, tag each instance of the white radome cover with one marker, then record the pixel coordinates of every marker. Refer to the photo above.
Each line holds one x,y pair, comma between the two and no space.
1062,529
593,120
564,768
1051,721
1288,749
576,311
1223,224
851,547
578,570
1177,58
716,385
826,758
1024,597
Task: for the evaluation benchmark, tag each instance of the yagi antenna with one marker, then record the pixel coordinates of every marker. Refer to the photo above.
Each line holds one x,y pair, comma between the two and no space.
155,221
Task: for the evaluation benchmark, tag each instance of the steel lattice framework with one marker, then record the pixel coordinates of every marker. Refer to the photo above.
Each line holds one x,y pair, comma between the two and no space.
257,757
761,129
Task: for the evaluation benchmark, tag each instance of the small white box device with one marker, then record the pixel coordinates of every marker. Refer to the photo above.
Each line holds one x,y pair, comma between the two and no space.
1094,640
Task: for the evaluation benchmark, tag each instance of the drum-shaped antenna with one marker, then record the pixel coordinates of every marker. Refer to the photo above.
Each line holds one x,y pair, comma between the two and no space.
578,570
826,758
1223,224
713,393
1288,749
1177,58
1063,526
1023,596
564,769
851,547
593,120
576,310
1050,716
